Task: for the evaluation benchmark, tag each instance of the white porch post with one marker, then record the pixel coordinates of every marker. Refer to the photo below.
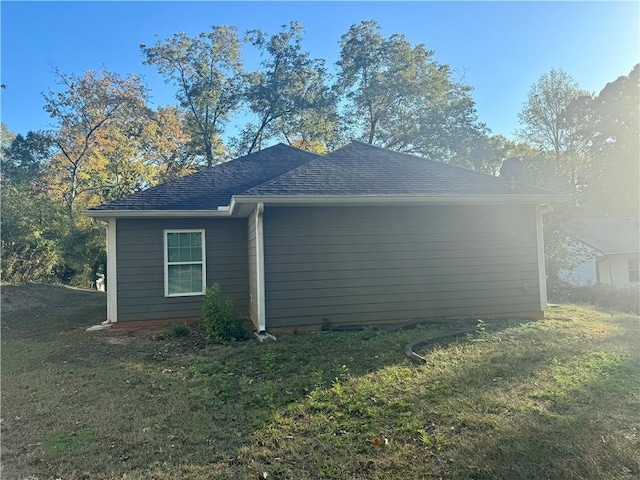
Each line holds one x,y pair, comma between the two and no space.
112,273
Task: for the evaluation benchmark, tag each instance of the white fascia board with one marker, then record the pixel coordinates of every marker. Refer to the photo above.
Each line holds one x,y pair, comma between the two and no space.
157,213
334,200
303,200
601,252
632,252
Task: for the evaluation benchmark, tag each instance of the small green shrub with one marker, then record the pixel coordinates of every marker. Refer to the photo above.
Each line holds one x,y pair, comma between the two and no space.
172,331
220,319
177,330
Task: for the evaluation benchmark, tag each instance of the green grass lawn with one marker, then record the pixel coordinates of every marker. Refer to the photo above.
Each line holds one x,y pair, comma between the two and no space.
557,399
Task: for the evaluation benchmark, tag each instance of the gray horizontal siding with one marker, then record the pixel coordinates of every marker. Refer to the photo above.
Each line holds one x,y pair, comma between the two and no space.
140,263
364,264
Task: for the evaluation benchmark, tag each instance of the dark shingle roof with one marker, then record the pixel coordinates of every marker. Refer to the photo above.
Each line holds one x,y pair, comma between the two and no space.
214,187
358,169
363,169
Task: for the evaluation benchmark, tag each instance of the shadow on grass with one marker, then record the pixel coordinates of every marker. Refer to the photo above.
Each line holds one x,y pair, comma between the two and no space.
474,411
312,406
154,404
583,433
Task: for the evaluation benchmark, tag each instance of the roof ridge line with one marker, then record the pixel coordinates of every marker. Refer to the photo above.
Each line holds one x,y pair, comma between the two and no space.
437,162
316,156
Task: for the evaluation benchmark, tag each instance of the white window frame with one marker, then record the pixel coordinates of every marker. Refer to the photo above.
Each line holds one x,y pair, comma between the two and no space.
203,262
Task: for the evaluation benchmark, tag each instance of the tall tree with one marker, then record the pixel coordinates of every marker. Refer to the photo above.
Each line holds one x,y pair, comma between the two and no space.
32,224
207,72
6,135
490,153
615,129
24,156
553,122
88,105
167,145
398,97
289,95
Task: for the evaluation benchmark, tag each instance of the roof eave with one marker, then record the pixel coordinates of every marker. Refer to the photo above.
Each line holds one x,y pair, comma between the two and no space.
336,200
398,199
225,212
628,252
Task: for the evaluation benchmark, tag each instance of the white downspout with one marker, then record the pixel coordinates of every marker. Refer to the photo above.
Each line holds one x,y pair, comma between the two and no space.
542,274
262,324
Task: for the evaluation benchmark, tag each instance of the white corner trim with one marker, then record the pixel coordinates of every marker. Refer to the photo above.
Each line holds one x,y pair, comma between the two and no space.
261,306
542,275
112,273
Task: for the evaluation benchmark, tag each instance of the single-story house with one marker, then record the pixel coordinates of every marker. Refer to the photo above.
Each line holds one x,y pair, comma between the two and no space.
361,235
608,250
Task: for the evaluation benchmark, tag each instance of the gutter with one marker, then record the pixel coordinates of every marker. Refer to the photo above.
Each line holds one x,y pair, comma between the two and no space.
226,211
220,212
395,199
633,252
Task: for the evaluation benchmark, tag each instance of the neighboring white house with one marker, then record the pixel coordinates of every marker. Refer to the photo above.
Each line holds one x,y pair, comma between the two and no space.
610,248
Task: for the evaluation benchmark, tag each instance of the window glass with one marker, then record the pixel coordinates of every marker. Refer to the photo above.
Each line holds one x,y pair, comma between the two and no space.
185,263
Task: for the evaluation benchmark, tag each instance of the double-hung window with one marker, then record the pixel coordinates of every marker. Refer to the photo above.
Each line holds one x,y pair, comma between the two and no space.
184,263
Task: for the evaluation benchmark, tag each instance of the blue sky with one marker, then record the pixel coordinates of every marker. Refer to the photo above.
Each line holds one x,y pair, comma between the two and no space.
499,48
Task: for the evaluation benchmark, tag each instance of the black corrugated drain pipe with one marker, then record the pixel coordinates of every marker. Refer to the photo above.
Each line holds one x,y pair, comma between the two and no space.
409,349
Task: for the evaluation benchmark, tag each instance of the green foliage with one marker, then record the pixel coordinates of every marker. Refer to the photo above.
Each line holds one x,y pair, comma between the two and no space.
24,157
609,297
83,255
614,129
551,126
588,146
206,70
177,330
93,116
289,95
38,244
220,319
398,97
106,144
173,331
566,125
31,228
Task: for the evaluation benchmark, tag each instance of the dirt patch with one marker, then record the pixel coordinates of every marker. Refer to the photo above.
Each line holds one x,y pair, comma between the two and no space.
118,340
